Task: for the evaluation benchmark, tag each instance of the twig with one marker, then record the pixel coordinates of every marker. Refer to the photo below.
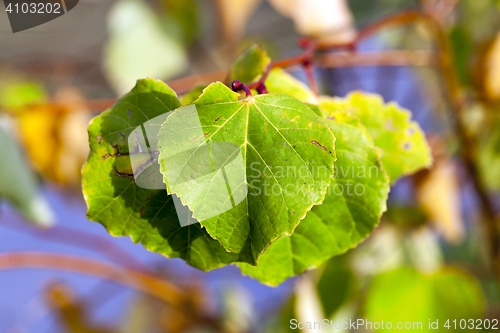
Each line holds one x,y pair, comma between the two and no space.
308,67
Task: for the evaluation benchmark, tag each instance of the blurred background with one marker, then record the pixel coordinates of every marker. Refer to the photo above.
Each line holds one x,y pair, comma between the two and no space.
432,256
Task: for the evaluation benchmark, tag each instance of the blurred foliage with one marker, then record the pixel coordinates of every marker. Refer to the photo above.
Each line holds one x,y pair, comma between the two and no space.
18,184
480,18
472,35
406,216
250,65
462,48
181,18
368,11
405,295
18,93
336,285
397,294
138,47
72,313
488,155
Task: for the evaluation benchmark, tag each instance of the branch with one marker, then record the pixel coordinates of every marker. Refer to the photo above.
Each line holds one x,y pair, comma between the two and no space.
82,239
310,49
458,103
382,58
395,20
143,282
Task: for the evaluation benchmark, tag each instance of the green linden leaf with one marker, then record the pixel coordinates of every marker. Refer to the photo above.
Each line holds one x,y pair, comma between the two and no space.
115,199
403,143
250,66
249,169
352,208
406,295
280,81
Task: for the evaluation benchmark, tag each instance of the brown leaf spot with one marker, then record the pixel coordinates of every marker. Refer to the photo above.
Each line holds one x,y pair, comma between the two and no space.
316,143
117,154
122,174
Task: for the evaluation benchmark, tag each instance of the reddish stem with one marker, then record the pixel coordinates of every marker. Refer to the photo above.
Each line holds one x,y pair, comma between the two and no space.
308,67
238,86
262,89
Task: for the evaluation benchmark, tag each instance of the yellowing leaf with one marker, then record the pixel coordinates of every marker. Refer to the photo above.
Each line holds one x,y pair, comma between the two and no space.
280,81
404,147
